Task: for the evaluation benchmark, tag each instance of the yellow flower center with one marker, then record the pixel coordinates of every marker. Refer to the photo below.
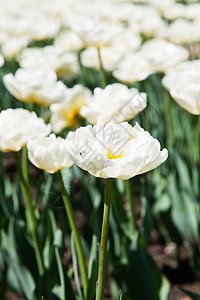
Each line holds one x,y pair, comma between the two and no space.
71,116
110,156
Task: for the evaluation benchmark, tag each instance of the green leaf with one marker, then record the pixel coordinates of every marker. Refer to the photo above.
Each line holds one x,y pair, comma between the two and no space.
93,268
120,295
115,235
165,289
145,229
184,211
142,272
192,294
64,291
58,239
23,276
75,266
184,174
119,213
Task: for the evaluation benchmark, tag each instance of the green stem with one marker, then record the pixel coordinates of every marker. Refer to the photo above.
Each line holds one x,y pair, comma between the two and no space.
30,216
168,120
102,70
197,138
104,238
129,194
82,75
74,229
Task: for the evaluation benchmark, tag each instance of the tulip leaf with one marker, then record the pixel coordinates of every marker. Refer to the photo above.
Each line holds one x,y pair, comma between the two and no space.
119,213
120,295
75,266
192,294
142,272
64,291
184,211
21,273
93,268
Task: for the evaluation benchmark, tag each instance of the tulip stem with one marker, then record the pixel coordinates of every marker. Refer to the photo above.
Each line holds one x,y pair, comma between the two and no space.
22,169
129,194
102,70
82,73
74,229
104,238
197,138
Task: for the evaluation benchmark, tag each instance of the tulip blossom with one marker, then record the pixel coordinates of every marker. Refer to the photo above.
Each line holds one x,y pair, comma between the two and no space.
64,114
163,55
132,68
95,33
116,103
182,83
115,150
35,85
49,153
181,32
1,61
53,57
17,126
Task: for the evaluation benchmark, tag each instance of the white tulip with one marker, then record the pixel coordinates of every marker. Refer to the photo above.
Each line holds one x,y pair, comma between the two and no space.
64,114
64,63
17,126
1,61
177,74
35,85
49,153
163,55
183,84
110,58
181,32
94,32
187,95
115,151
133,68
69,41
116,103
14,45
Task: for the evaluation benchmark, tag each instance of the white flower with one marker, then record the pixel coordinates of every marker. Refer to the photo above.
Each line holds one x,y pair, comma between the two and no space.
162,54
49,153
17,126
1,61
116,150
150,25
183,84
41,58
181,32
95,33
35,85
187,95
65,113
175,11
134,67
64,63
69,41
126,42
179,73
110,58
193,11
13,46
44,28
116,103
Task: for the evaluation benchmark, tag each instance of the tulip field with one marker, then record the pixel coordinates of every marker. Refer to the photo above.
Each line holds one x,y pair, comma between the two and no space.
99,150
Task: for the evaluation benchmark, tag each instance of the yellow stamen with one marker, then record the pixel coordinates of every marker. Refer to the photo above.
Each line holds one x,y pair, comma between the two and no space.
110,156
